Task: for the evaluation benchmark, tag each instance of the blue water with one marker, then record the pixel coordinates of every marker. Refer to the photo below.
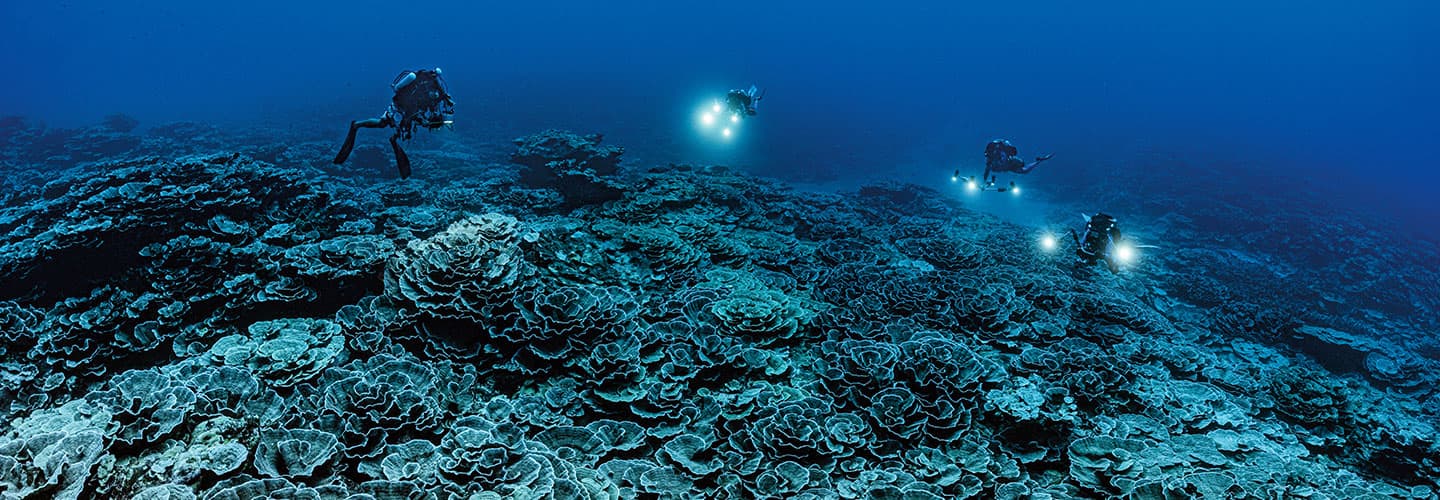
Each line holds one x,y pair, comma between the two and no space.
1334,90
215,309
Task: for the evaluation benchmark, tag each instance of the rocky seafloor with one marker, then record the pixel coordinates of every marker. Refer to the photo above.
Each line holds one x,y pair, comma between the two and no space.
187,313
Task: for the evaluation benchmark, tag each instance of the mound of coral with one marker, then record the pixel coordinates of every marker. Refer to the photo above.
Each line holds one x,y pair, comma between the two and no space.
222,325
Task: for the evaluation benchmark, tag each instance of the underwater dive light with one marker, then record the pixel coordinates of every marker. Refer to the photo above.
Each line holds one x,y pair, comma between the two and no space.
726,132
971,185
1047,243
1125,253
734,118
707,118
716,107
1015,190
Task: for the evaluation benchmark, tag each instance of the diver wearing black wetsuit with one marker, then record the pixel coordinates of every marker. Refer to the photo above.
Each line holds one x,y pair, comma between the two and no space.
420,99
1102,232
743,102
1001,156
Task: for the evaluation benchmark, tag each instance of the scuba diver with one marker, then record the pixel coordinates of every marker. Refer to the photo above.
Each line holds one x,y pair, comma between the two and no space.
1102,236
420,99
1001,156
743,102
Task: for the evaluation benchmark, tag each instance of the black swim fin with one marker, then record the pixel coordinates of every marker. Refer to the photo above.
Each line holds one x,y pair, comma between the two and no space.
401,160
349,145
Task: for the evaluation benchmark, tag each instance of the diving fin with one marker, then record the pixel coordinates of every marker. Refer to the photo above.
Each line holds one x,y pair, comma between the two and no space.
344,153
401,160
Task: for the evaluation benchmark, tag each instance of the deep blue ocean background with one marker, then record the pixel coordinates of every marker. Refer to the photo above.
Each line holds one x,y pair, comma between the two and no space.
1337,94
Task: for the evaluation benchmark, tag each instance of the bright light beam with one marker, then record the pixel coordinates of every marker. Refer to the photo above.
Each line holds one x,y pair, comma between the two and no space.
1047,243
1125,253
726,132
707,118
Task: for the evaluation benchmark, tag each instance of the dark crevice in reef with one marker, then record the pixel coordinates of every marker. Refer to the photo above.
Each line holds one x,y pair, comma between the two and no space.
69,272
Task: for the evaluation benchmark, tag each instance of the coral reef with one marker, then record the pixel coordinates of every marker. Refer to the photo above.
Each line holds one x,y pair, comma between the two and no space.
577,166
200,315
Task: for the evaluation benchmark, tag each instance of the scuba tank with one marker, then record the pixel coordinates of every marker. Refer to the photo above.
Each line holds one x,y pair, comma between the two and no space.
403,80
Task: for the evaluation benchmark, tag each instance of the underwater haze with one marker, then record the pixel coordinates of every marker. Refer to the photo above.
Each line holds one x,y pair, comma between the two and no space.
593,280
1341,92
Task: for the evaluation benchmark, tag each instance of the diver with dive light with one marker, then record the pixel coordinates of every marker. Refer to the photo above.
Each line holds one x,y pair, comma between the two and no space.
1102,241
1001,156
742,102
420,100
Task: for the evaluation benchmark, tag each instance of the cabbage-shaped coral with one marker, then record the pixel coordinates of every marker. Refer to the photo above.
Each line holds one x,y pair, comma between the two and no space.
939,365
355,259
462,272
852,368
392,394
213,452
478,457
576,166
887,483
763,316
664,249
54,452
945,253
285,352
536,150
555,322
1308,396
794,430
55,465
692,453
19,327
1107,465
166,492
147,404
1398,369
248,488
295,453
700,333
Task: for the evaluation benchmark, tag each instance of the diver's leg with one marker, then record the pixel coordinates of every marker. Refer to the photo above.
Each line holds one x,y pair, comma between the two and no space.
1026,169
401,160
350,138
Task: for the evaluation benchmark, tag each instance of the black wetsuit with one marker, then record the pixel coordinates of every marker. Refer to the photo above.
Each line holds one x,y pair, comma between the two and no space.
740,102
421,102
1001,156
1101,233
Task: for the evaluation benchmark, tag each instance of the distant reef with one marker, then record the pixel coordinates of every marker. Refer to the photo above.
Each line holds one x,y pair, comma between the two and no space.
193,313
